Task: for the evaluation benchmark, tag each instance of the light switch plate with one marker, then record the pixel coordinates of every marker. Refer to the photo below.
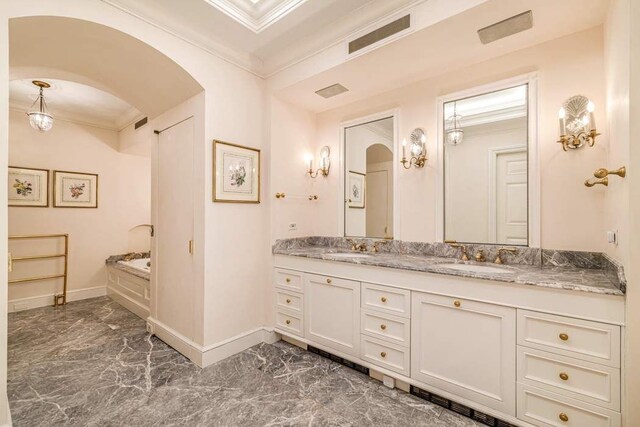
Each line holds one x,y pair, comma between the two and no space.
612,237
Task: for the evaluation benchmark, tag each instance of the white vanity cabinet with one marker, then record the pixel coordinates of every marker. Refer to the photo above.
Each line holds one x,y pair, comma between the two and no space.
332,309
467,348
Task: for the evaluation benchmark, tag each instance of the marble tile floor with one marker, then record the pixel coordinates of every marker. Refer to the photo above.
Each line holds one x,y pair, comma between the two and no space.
91,363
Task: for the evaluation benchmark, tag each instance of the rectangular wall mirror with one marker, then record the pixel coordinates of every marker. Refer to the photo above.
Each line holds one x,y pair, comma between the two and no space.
486,173
368,179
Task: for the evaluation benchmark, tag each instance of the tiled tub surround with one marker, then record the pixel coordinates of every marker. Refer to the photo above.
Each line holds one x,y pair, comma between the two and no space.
91,363
533,342
576,271
129,286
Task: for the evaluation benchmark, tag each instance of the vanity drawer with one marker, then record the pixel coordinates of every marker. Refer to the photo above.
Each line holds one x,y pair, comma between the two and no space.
582,339
386,299
289,300
586,381
542,408
386,327
289,322
289,279
386,355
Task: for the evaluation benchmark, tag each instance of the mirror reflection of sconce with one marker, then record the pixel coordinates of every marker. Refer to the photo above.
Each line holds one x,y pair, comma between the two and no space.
577,123
418,150
325,163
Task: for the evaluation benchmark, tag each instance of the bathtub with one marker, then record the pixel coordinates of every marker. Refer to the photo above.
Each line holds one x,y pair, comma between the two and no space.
128,284
142,264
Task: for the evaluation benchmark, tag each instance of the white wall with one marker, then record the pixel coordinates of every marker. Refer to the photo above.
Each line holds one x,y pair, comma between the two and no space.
5,417
124,201
561,70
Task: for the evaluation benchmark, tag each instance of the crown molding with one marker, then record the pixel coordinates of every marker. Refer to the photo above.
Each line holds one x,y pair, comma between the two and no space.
253,16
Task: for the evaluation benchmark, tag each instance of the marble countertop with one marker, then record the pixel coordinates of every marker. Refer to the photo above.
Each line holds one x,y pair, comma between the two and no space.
551,276
112,261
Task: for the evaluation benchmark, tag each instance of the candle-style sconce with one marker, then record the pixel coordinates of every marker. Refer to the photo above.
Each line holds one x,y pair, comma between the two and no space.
325,163
577,123
418,150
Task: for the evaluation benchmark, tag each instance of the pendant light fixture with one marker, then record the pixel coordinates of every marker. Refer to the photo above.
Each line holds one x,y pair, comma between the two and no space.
39,119
454,131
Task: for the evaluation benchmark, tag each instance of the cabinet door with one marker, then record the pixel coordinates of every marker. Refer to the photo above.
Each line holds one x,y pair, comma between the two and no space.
332,313
467,348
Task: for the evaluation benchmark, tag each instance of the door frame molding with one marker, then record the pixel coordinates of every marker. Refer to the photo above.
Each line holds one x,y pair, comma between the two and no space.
494,152
533,156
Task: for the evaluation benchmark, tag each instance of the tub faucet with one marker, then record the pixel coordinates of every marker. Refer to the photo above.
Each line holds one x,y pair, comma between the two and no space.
150,226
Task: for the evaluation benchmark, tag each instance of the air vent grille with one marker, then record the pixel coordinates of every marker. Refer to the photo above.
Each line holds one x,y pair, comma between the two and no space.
380,34
140,123
507,27
332,90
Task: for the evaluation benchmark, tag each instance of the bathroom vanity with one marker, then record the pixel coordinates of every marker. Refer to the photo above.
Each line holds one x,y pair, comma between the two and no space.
526,344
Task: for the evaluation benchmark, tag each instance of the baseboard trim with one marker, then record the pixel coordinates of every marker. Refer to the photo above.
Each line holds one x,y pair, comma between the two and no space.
20,304
204,356
129,303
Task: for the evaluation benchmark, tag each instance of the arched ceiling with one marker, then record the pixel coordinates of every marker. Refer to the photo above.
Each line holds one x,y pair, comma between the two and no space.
98,56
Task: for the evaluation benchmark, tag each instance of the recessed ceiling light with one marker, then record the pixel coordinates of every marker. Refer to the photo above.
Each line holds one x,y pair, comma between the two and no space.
332,90
507,27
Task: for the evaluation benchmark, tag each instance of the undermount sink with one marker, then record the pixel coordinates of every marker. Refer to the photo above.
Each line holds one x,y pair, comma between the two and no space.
349,255
475,268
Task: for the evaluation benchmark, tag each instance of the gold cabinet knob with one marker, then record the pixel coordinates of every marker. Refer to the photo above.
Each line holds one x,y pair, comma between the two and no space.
457,303
383,299
563,376
383,327
288,301
329,281
563,337
383,354
288,322
288,280
563,417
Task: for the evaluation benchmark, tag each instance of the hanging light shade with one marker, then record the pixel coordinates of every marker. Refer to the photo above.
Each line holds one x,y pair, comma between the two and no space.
454,132
39,119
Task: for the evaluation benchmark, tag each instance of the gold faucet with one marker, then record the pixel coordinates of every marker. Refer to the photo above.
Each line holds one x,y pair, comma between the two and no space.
353,244
376,245
480,256
463,248
362,247
498,259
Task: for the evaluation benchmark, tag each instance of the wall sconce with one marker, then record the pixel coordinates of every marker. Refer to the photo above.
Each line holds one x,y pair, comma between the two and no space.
418,150
577,123
325,163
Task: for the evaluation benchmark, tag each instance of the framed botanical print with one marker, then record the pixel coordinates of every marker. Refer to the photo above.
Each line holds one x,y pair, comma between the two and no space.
236,173
28,187
356,189
75,190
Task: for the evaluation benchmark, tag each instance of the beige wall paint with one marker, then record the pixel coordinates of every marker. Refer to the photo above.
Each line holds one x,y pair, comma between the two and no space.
124,202
5,417
561,71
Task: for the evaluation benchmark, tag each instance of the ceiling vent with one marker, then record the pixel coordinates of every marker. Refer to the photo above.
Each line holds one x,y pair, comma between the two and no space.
332,90
140,123
380,34
506,28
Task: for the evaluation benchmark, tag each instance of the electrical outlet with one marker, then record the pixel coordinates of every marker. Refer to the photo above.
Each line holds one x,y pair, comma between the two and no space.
293,226
612,237
150,328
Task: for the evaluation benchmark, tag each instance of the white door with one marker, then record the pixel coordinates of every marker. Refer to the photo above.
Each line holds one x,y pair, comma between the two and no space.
332,313
377,197
464,347
174,290
511,198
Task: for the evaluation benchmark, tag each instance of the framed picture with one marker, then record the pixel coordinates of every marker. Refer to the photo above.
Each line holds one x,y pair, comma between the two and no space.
236,173
75,190
28,187
356,189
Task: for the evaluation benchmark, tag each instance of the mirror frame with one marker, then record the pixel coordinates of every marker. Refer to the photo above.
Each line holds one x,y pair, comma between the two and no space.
533,166
395,114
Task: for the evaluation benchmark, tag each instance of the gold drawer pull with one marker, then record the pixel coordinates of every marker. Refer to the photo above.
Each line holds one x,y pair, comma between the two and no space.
564,337
383,327
563,376
456,303
329,281
383,354
288,301
383,299
288,280
288,322
563,417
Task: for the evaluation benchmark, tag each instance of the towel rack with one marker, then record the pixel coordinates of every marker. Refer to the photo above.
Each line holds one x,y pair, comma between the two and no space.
58,299
296,196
